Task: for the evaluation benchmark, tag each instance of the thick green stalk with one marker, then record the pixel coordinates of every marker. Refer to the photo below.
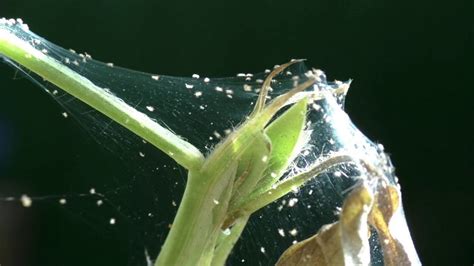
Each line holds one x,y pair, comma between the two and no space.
197,224
78,86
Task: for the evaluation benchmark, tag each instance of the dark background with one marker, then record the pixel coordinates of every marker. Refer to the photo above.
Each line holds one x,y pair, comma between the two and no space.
409,60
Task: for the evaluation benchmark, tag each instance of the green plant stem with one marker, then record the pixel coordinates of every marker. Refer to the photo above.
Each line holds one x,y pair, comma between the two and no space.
197,224
78,86
227,243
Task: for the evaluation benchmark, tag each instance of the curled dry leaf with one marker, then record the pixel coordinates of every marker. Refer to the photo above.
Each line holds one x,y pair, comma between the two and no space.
346,242
341,243
386,207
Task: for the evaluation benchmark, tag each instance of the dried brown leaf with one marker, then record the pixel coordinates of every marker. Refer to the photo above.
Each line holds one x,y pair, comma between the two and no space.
341,243
387,202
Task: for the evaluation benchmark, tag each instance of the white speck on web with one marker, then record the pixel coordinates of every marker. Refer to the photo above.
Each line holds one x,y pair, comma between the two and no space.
309,74
155,77
316,107
65,115
380,147
262,249
293,232
265,159
62,201
110,64
195,76
219,89
292,202
189,86
112,221
215,201
141,154
217,135
206,79
26,201
92,191
281,232
150,108
99,203
198,94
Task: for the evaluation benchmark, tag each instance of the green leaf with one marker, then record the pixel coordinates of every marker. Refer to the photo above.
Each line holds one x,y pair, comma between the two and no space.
261,198
285,133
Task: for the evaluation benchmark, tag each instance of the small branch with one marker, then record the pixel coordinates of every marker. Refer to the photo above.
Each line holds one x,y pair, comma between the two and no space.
262,199
227,243
80,87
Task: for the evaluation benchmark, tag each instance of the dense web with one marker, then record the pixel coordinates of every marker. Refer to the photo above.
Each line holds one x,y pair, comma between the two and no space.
203,110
